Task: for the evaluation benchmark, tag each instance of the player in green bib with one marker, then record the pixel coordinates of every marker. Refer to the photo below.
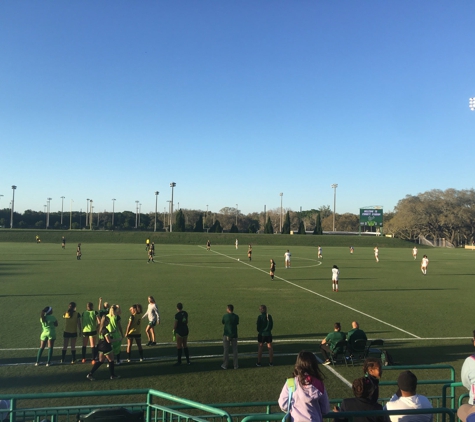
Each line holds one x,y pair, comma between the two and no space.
89,331
48,334
115,330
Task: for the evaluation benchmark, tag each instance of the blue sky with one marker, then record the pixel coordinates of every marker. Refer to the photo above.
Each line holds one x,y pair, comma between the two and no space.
235,101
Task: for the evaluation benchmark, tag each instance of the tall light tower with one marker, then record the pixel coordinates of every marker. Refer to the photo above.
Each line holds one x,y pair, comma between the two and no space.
136,213
472,103
71,214
62,204
113,210
87,212
47,211
13,206
334,186
90,217
172,185
169,215
281,209
156,203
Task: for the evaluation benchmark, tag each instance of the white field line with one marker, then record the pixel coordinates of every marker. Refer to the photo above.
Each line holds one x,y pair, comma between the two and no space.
320,295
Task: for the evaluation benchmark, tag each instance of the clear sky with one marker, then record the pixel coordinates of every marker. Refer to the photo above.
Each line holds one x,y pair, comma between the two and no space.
235,101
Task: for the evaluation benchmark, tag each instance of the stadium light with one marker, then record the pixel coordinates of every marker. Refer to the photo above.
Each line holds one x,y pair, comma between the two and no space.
156,203
13,206
113,211
136,213
172,185
87,212
334,186
472,103
90,217
47,211
62,205
281,195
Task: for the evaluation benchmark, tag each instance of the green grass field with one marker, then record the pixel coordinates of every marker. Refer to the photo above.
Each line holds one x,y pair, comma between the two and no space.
423,319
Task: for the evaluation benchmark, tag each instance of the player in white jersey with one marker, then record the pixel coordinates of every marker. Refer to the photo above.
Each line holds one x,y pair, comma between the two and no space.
335,274
376,253
414,252
287,256
319,252
424,264
236,243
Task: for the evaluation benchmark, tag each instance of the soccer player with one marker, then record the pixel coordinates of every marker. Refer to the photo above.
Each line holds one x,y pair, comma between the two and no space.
78,252
237,243
180,333
89,331
335,274
48,334
115,330
105,351
153,315
63,242
272,269
287,256
352,249
147,244
208,245
72,325
376,253
150,256
249,253
414,252
319,254
133,331
264,329
424,264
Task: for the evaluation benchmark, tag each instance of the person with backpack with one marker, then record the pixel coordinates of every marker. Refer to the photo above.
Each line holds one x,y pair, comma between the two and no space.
304,396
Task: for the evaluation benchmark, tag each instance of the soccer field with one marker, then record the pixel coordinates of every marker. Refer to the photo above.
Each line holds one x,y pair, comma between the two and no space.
421,318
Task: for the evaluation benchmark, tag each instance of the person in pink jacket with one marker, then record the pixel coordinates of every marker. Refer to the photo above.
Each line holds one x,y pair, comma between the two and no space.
309,399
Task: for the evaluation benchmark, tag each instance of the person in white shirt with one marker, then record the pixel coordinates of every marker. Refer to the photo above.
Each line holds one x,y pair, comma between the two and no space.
237,243
319,252
424,264
153,316
335,274
376,253
414,252
287,256
406,398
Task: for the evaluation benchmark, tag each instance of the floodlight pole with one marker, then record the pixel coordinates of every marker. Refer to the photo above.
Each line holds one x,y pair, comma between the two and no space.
90,217
13,206
136,213
87,212
471,103
334,186
281,195
62,206
172,185
113,212
156,203
47,211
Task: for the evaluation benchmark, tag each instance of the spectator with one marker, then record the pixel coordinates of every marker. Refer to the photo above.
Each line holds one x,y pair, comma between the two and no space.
406,398
328,345
355,334
230,336
309,399
466,413
265,324
373,370
363,389
468,374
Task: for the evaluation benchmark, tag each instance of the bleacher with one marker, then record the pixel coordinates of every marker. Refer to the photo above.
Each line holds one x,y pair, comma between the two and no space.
153,406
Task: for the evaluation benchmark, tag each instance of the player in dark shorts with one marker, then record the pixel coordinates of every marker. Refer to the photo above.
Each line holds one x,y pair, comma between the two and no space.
89,331
105,351
72,324
208,245
272,269
152,248
180,332
63,242
78,252
133,331
264,328
249,253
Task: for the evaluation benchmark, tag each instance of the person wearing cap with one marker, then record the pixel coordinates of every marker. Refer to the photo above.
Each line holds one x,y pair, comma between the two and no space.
406,398
468,374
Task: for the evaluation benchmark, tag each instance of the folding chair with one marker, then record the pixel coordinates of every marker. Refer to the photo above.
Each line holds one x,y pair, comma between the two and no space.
373,349
357,351
340,352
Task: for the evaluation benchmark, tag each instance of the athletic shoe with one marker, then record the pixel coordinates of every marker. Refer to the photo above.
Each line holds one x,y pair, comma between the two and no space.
118,363
84,361
128,360
61,361
236,367
114,377
48,363
258,364
73,362
37,364
142,359
327,362
153,343
224,367
149,343
271,364
90,377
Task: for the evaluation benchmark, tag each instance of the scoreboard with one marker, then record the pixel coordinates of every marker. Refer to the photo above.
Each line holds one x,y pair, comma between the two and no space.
371,217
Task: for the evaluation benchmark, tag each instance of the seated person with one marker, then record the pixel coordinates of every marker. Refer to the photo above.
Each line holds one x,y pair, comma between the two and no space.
363,390
328,345
406,398
356,334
